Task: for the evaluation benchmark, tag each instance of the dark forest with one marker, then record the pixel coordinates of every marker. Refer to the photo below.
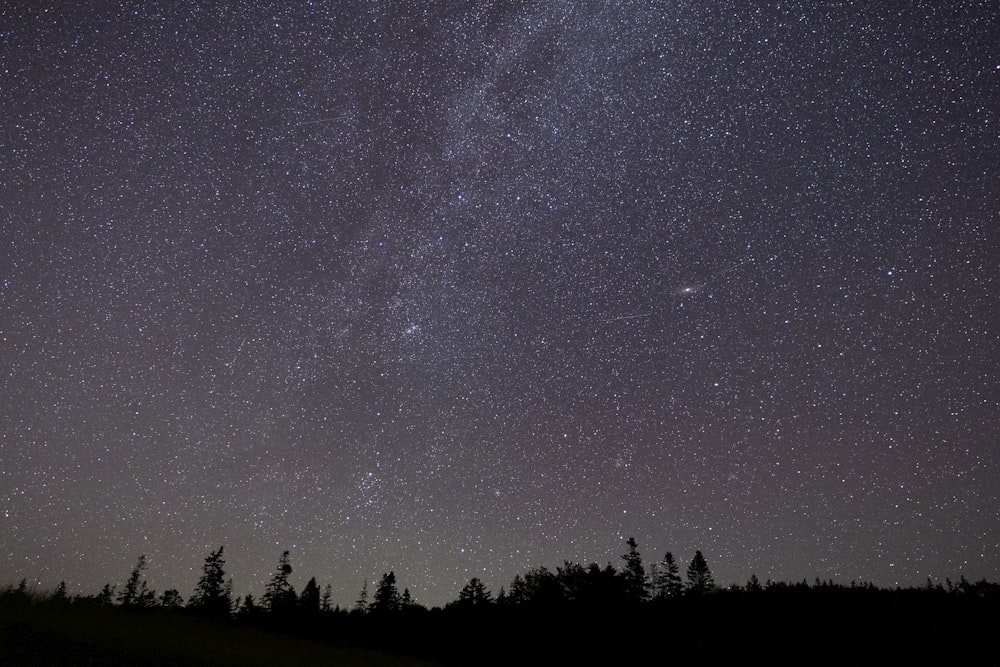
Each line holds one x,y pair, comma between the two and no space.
572,614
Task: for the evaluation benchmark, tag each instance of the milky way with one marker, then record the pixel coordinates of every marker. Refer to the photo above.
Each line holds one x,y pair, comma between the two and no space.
457,291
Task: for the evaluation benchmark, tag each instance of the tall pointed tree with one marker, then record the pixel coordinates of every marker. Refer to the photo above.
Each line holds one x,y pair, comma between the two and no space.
60,594
212,595
362,602
386,597
326,600
309,598
279,596
634,574
136,592
474,594
699,575
667,579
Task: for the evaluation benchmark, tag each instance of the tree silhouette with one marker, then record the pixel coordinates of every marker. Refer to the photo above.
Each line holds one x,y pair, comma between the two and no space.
474,594
574,581
634,574
136,592
667,579
212,595
518,593
171,599
309,598
362,602
699,575
60,593
541,587
107,595
249,606
326,600
386,598
753,584
279,595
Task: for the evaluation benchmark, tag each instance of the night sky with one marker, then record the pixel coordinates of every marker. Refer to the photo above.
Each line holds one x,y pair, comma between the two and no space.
458,289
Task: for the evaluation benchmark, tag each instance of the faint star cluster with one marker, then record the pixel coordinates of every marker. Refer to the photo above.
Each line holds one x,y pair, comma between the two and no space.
460,291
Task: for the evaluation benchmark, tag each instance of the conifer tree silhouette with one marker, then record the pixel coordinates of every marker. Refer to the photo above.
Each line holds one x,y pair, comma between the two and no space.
474,594
60,593
362,602
136,592
171,599
107,595
699,575
212,594
326,600
634,574
386,597
666,579
309,598
279,596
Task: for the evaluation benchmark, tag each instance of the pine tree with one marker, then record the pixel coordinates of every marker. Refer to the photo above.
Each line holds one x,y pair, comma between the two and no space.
699,575
326,600
279,596
171,599
213,594
518,593
249,606
362,602
474,594
386,597
406,601
136,592
309,599
60,594
753,584
107,595
634,574
667,579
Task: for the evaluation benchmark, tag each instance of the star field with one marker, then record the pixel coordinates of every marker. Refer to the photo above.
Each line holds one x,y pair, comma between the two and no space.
458,291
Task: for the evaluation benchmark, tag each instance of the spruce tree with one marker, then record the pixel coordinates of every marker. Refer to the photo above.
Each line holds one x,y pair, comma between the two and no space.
518,593
474,594
171,599
386,597
249,606
60,593
136,592
107,595
667,580
279,596
212,594
362,602
699,575
634,574
309,599
326,600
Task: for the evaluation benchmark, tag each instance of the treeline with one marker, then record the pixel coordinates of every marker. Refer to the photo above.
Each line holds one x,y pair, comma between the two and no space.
569,585
573,611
